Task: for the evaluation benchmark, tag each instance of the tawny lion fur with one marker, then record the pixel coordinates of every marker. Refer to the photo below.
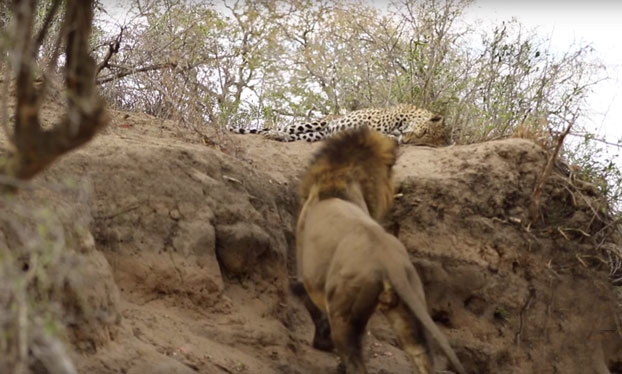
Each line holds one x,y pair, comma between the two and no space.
348,263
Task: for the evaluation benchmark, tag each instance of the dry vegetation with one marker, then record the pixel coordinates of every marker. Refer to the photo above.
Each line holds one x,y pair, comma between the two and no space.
265,64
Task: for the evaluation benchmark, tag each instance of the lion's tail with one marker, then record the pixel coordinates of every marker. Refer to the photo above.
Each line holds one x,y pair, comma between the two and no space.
398,276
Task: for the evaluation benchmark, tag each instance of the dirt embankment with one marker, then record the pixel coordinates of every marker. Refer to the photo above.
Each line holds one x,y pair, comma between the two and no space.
185,263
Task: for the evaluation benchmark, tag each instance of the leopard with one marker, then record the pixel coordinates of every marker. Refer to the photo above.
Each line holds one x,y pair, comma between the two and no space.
406,123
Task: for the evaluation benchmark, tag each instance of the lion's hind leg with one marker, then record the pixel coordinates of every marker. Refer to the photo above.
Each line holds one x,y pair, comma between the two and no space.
350,305
321,338
410,331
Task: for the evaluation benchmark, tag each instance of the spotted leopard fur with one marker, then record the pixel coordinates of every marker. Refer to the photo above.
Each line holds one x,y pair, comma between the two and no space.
404,122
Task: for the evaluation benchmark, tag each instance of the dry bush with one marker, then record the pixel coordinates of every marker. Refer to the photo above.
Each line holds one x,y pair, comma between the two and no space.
184,61
269,61
536,131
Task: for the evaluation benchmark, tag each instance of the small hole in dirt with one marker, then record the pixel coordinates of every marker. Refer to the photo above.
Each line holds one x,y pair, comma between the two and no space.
292,347
442,317
25,266
475,305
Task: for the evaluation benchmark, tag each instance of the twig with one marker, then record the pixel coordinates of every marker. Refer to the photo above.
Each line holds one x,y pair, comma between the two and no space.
532,293
534,210
581,260
619,145
614,257
120,212
231,179
572,182
578,230
127,71
608,225
561,231
113,48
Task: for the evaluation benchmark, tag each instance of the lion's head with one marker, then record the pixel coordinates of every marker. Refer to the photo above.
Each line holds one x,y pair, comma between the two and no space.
360,159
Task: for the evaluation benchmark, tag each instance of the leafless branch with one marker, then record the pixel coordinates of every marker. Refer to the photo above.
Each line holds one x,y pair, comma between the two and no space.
36,148
534,209
113,48
127,71
600,140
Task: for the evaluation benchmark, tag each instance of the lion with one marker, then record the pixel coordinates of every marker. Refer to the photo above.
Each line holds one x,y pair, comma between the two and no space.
349,265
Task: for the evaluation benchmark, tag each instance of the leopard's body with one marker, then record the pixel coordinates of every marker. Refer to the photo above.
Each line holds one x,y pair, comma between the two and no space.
404,122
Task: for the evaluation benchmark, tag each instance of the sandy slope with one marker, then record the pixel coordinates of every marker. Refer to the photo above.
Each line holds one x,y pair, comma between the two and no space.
199,243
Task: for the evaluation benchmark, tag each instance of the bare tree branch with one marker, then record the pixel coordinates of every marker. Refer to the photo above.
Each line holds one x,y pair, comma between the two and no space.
113,48
604,141
534,209
125,71
36,148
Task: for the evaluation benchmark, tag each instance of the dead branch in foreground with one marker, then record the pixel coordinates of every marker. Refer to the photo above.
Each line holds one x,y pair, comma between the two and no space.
35,148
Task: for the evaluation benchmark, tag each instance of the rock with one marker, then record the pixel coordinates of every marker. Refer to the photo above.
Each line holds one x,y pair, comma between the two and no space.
174,214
